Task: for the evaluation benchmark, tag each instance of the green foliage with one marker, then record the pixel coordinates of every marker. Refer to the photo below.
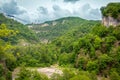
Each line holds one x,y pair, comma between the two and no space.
26,74
92,66
112,9
2,78
100,30
4,32
103,61
39,55
117,55
97,42
54,29
9,75
1,70
56,77
83,75
93,75
80,77
6,53
67,74
114,76
11,62
66,58
23,32
116,32
96,47
39,76
75,43
70,75
81,62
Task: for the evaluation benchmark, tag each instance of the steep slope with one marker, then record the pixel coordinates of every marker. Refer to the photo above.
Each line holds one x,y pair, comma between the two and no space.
24,32
52,29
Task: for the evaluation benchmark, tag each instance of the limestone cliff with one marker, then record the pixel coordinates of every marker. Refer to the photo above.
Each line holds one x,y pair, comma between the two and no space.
110,21
111,14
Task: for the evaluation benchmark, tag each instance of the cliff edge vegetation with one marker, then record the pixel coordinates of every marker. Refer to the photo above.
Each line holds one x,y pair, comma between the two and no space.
112,9
111,14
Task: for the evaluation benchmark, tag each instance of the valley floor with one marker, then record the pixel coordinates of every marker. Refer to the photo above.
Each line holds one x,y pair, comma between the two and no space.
49,71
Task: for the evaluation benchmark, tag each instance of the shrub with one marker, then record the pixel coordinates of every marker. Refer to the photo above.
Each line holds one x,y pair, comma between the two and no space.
1,70
114,76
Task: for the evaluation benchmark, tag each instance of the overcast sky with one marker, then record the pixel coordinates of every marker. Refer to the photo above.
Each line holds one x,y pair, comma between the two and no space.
44,10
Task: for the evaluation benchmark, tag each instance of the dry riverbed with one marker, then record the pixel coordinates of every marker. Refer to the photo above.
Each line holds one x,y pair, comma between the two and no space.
46,70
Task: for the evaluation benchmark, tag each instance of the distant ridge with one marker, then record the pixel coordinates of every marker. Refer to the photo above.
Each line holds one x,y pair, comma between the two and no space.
50,30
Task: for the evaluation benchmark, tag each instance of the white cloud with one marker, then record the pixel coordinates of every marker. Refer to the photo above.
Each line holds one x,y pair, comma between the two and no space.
41,10
87,12
11,8
72,1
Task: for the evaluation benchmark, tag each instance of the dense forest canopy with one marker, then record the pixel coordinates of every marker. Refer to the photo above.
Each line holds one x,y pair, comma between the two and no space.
24,32
112,9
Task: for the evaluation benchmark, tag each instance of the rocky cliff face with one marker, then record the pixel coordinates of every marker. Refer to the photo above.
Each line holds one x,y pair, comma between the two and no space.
110,21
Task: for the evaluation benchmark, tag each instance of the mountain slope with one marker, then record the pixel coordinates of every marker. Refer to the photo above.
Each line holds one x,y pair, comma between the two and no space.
24,32
52,29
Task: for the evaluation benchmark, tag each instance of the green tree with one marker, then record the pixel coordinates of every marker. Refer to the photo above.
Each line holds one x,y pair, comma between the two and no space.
1,70
114,76
116,32
80,77
67,74
112,9
26,74
81,62
100,30
5,49
103,61
93,66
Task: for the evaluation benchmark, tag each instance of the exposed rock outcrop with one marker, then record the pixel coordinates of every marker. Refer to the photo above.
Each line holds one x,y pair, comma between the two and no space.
111,14
110,21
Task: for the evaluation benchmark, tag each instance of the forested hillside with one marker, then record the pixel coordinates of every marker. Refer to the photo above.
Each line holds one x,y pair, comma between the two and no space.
23,31
81,49
53,29
96,54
